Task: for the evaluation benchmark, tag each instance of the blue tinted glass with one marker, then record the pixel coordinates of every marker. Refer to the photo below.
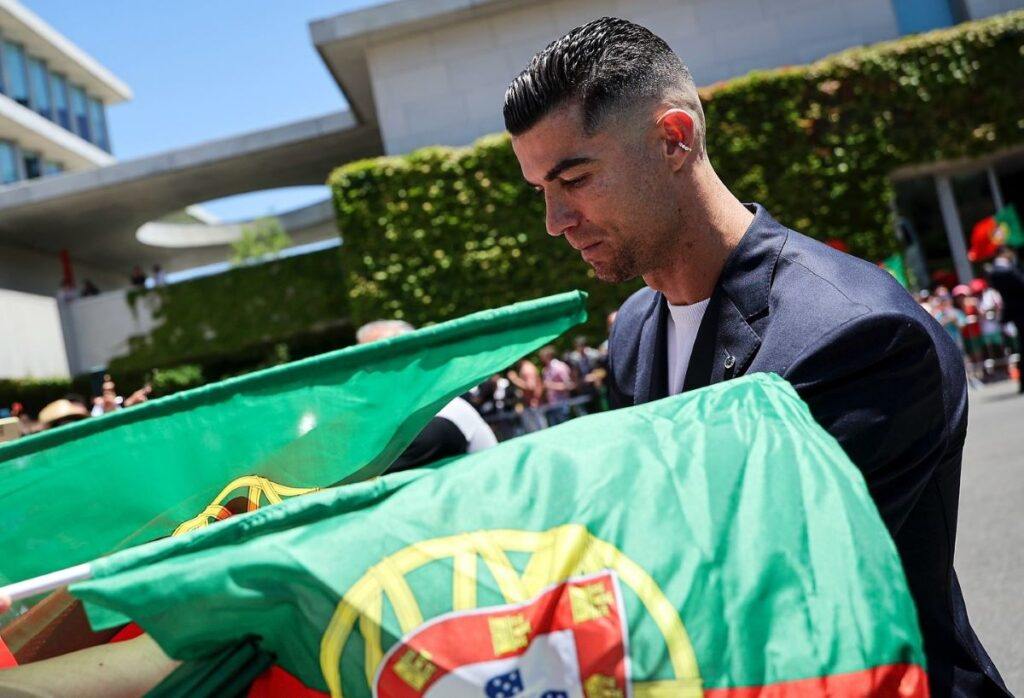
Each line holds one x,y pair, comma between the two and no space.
8,163
60,100
99,124
39,80
915,16
14,72
79,112
51,168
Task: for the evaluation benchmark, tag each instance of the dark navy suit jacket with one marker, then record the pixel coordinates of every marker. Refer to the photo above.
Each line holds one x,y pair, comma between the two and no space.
878,373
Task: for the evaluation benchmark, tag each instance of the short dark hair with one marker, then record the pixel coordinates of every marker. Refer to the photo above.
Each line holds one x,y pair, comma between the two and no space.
604,64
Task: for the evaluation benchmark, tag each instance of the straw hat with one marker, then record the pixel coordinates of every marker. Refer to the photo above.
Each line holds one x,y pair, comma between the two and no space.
60,412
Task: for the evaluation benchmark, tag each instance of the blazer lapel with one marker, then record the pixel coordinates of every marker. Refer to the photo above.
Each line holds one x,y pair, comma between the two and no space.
651,381
728,338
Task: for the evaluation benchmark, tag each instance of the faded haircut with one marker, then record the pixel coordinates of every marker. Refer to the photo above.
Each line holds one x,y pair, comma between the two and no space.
606,65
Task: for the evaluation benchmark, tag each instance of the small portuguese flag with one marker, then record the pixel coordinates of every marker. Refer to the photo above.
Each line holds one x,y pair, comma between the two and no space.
717,543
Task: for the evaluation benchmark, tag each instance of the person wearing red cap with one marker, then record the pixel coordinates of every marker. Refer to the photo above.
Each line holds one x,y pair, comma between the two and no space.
1007,278
990,308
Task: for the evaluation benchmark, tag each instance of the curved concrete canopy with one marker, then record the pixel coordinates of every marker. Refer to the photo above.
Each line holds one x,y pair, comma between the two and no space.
95,214
299,222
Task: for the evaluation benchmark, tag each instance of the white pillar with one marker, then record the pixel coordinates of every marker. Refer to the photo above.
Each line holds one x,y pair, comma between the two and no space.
993,185
954,231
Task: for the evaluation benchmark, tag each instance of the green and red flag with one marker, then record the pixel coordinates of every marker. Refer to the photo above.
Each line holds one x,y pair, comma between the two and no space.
995,231
175,464
718,543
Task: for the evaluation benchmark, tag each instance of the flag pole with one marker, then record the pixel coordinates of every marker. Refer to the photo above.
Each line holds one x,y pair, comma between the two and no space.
46,582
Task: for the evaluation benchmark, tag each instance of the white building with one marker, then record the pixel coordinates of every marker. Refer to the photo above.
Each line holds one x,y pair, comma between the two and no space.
414,73
53,100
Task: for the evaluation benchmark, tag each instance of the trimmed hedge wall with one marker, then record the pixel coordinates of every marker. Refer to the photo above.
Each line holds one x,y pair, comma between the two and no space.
442,232
245,318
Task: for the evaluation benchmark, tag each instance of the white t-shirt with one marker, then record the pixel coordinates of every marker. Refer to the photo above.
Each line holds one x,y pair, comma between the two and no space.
683,323
478,435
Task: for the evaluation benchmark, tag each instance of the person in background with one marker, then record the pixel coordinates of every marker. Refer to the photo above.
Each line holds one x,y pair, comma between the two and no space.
138,277
948,316
527,379
967,304
456,430
110,401
990,308
1007,278
558,385
61,412
159,277
587,373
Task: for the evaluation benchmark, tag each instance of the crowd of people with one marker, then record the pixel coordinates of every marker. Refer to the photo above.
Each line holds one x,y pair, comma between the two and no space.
527,398
73,407
983,319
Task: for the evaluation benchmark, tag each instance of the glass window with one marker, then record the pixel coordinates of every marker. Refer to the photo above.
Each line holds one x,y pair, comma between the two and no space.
14,71
8,163
39,81
914,16
98,119
59,86
80,113
33,165
51,167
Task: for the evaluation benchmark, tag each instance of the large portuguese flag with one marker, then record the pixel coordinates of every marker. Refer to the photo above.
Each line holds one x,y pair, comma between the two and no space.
171,465
717,543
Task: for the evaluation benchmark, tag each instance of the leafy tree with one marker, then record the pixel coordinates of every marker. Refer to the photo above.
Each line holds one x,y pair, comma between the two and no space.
264,238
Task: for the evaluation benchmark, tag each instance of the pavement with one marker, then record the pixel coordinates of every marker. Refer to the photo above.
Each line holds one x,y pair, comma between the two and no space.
990,534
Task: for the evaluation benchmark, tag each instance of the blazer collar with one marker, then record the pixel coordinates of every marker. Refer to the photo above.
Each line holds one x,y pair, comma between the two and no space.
730,334
747,275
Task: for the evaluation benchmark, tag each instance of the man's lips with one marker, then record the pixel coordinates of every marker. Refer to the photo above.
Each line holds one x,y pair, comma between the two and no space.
580,245
590,249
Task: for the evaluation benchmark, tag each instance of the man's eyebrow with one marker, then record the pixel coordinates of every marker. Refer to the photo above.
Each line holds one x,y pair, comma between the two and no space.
565,165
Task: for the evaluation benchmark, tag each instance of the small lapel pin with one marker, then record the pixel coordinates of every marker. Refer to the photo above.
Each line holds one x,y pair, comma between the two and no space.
729,362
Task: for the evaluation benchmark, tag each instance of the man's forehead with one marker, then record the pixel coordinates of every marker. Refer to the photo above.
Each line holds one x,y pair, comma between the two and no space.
558,135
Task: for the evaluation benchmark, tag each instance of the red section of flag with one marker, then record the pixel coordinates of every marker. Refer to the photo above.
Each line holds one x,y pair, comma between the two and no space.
984,240
275,682
6,658
891,681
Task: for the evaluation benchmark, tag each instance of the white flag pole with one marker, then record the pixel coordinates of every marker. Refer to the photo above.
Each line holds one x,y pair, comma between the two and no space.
46,582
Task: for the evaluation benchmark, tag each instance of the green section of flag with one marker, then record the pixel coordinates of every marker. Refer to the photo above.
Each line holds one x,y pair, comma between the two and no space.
1007,216
745,544
81,491
895,265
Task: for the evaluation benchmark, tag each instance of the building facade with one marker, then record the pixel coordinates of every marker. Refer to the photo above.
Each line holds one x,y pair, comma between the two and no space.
414,73
434,72
53,100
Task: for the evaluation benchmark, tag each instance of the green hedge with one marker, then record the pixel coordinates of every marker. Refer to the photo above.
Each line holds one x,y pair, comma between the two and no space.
442,232
34,394
247,317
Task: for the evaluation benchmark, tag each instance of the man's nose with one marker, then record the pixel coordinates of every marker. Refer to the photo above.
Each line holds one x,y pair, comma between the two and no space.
560,217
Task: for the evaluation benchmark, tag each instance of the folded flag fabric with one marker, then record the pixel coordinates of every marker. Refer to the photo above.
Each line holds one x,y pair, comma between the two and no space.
710,544
991,233
81,491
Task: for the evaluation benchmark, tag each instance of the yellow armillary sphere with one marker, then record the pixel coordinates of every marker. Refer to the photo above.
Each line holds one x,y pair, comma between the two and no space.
566,603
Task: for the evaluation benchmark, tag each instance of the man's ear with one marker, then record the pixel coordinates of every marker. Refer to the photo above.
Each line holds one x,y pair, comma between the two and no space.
676,130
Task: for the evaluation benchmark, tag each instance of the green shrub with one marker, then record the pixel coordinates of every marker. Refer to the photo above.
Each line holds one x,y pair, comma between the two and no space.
34,394
442,232
230,322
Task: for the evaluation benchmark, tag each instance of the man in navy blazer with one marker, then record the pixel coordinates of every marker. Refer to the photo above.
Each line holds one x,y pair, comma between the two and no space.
608,128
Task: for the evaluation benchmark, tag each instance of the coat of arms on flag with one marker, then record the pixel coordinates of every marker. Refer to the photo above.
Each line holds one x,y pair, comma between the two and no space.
569,640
